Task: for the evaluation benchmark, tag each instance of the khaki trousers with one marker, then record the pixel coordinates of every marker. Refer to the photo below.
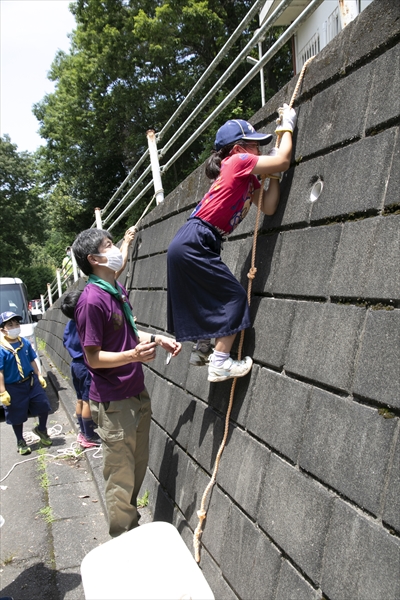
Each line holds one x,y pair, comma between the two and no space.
123,426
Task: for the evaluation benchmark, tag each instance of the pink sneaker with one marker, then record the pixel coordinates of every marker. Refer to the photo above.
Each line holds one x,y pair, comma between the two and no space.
85,443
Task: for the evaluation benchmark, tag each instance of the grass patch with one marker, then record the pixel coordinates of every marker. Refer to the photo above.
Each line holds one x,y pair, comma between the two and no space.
8,560
47,514
41,344
144,500
43,478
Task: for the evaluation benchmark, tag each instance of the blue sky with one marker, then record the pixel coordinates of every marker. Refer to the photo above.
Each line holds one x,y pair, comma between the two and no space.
31,33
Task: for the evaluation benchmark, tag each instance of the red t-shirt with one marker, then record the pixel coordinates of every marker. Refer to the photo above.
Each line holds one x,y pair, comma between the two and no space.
228,200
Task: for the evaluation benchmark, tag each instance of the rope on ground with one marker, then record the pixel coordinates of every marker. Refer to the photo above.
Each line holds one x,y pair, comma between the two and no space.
74,450
202,513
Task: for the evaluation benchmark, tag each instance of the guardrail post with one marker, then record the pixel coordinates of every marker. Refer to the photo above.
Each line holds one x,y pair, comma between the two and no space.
155,166
59,284
74,266
97,213
42,301
262,83
49,294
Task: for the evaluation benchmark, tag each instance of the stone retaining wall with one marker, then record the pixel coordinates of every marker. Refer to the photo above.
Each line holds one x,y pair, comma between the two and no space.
307,500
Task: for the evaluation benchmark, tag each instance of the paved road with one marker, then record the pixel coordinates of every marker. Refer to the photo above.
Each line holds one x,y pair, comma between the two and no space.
38,559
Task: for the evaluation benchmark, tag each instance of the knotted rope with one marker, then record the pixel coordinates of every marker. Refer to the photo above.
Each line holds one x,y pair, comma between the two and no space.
202,513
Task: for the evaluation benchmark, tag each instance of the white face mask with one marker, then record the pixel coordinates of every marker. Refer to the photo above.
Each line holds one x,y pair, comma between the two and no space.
114,259
13,333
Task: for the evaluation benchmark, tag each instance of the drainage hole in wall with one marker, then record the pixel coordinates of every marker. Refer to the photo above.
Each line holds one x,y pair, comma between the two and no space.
316,190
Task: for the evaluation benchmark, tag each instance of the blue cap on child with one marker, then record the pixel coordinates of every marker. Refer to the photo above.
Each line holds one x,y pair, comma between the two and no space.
237,129
7,316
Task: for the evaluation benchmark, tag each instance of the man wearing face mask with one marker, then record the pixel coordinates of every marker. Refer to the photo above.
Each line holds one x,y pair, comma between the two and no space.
21,385
114,352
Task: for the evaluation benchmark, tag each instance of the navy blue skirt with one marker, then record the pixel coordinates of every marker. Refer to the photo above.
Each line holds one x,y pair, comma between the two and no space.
205,300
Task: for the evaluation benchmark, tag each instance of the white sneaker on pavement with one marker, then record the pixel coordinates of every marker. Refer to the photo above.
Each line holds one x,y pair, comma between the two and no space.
230,369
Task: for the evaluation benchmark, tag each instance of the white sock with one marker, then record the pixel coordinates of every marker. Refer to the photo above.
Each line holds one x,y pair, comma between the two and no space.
218,358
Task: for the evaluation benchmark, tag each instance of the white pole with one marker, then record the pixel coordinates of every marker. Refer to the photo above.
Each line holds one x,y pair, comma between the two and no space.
59,284
42,300
49,294
74,266
260,52
348,11
155,166
97,212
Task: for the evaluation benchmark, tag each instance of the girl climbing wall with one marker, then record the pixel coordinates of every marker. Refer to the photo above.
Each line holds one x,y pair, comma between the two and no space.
205,300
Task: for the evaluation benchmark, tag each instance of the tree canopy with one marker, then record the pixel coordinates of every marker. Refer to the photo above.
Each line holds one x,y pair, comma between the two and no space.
130,65
23,221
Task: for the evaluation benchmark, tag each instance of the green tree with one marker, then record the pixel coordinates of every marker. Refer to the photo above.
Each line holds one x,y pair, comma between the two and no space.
23,221
130,65
22,211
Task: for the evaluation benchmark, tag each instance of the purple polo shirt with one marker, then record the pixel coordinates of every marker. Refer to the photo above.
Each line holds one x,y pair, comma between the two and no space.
101,322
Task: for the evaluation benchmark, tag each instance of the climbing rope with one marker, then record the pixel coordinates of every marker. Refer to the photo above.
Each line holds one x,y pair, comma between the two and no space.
143,213
202,513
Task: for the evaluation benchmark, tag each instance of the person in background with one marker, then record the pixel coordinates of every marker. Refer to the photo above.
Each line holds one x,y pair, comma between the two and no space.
21,384
205,300
114,351
81,377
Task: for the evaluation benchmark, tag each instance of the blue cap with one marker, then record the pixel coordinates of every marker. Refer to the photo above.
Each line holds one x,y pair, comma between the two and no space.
7,316
237,129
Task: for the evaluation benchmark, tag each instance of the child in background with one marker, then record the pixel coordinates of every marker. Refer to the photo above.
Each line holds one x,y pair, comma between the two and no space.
81,377
21,384
205,300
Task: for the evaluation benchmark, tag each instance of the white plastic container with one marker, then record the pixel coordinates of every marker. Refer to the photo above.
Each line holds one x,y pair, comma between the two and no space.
151,562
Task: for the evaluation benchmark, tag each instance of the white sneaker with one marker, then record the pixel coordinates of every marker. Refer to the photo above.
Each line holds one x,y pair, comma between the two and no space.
231,368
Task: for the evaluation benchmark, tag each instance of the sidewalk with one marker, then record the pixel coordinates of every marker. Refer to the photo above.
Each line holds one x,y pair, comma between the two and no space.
42,559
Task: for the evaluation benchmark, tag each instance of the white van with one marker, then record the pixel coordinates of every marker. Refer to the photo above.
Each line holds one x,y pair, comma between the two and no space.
14,297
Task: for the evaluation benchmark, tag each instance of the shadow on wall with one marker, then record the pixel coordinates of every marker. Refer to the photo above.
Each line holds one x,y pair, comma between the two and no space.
169,469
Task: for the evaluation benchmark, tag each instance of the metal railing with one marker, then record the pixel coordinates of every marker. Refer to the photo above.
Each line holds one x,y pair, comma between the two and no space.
153,155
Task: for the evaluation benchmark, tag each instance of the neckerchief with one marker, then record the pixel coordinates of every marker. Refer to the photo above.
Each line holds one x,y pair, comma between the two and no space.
117,292
7,346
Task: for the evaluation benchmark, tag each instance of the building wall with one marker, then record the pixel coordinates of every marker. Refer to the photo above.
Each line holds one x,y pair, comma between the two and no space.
320,28
307,499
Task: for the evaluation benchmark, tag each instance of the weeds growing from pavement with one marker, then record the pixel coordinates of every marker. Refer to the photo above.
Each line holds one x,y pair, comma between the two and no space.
41,344
43,478
144,500
8,560
47,514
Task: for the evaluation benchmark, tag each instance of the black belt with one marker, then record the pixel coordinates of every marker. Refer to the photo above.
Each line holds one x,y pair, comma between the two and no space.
30,376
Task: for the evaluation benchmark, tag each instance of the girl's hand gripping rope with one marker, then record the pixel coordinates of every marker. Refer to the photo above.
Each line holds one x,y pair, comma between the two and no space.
286,120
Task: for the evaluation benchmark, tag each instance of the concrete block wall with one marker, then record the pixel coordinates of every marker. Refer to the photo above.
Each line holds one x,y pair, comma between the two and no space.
307,499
